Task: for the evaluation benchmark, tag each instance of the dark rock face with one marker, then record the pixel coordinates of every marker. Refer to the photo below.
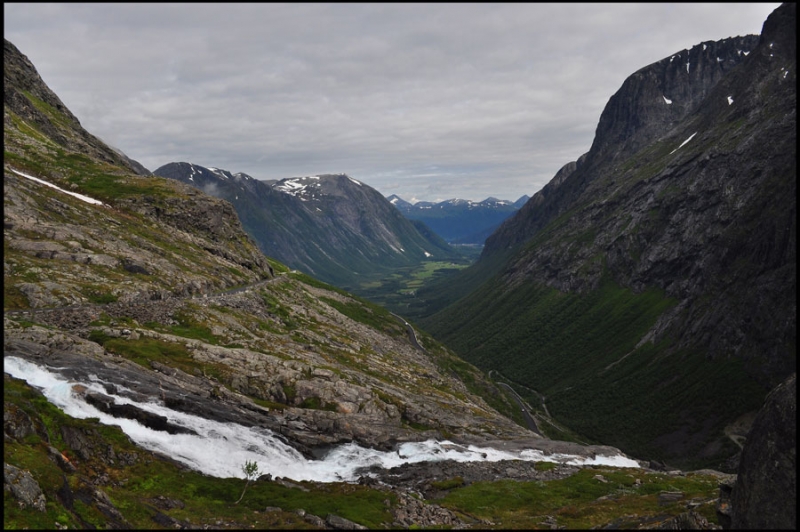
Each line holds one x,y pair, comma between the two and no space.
636,114
656,98
765,495
695,198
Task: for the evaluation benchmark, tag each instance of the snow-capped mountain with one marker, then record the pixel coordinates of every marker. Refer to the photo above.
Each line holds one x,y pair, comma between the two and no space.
330,226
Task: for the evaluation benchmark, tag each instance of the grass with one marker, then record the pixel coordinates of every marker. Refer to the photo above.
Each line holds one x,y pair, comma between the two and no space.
580,501
207,499
580,351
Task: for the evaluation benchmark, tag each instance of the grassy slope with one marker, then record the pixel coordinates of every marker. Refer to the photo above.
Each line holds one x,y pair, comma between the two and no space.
580,351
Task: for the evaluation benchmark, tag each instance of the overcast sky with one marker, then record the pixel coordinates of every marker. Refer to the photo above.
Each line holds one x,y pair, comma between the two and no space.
427,101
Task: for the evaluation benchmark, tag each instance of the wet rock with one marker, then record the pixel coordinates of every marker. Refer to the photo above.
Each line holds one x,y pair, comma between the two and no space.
158,422
23,487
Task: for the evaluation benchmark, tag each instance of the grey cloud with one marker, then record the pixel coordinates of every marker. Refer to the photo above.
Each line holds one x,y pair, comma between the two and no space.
425,100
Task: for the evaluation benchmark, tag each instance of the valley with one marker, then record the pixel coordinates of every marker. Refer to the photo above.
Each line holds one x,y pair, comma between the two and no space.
196,348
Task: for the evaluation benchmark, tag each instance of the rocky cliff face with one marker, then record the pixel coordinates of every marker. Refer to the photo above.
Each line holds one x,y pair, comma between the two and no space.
765,494
314,223
688,191
648,106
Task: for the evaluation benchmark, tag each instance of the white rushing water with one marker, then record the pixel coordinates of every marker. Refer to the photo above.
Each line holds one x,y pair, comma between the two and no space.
220,449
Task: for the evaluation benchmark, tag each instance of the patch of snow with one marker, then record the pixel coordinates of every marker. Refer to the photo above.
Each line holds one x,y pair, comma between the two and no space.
81,197
704,47
730,100
353,180
687,67
666,100
684,143
719,60
746,53
427,254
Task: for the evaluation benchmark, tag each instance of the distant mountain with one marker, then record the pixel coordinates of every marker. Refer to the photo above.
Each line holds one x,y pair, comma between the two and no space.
330,226
460,221
649,290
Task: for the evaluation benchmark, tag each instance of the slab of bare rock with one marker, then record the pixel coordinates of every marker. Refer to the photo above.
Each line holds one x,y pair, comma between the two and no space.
23,486
340,523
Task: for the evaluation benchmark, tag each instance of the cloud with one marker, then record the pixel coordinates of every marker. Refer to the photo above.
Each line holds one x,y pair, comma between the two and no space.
495,97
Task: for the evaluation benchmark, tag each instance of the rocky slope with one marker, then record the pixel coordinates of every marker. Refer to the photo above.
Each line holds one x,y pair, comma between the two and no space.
33,102
314,223
675,236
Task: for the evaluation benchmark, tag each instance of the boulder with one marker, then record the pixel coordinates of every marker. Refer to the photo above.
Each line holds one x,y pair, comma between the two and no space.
23,486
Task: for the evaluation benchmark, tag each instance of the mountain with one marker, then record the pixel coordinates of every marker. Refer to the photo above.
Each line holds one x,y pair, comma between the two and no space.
330,226
648,291
143,298
34,104
460,221
152,355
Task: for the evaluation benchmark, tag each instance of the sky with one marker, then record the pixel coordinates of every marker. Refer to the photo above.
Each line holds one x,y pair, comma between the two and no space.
426,101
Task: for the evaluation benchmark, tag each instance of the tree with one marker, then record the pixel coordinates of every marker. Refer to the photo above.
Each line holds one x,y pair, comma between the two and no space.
250,470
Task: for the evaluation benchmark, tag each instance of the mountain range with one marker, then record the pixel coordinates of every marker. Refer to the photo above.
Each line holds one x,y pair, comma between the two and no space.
644,300
648,291
460,221
332,227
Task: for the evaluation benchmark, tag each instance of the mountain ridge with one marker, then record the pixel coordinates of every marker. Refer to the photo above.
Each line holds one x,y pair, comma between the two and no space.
312,223
676,218
460,221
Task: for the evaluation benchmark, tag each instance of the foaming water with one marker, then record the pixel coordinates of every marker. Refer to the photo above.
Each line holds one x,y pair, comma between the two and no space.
220,449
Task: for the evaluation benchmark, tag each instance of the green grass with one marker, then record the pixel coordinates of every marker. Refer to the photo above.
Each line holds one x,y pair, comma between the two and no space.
579,350
207,499
575,502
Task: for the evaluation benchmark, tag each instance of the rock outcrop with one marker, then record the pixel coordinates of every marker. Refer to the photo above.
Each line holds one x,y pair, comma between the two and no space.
765,494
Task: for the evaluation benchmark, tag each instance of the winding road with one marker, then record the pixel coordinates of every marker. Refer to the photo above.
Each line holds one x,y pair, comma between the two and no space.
525,409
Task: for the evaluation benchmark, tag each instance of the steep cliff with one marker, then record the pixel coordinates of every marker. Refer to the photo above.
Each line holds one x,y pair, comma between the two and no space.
655,277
